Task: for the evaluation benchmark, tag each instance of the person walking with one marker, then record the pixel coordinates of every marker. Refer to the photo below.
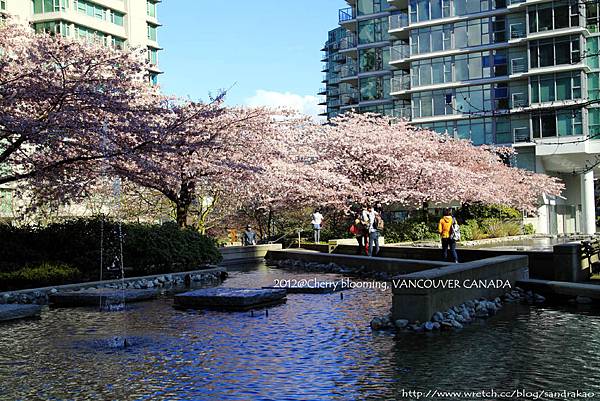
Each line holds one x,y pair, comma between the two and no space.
317,222
357,229
372,217
249,236
448,239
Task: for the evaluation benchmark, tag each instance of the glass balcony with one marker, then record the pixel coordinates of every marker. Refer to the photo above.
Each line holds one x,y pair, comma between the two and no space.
516,1
402,112
398,21
518,65
520,100
348,99
348,42
522,135
333,92
401,83
517,30
322,91
399,52
333,103
347,14
348,70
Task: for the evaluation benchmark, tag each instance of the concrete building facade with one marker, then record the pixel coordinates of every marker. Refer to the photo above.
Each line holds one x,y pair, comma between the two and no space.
521,73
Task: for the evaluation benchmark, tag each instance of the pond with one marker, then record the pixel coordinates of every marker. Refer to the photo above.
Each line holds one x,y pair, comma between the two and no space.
314,347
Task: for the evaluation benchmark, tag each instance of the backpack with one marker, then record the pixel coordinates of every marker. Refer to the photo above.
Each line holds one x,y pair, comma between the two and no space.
378,223
455,230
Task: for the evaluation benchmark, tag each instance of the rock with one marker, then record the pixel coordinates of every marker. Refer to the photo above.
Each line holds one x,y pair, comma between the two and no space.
401,323
436,325
446,325
417,328
149,284
376,323
466,315
583,300
470,304
428,326
437,317
456,324
539,298
519,289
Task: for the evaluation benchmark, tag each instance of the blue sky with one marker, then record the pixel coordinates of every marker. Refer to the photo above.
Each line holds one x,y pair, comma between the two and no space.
268,49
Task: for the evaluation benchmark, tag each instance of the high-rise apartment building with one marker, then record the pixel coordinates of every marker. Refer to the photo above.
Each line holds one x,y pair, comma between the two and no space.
116,23
523,73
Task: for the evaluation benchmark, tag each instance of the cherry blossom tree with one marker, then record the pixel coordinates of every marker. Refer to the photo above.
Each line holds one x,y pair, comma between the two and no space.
399,163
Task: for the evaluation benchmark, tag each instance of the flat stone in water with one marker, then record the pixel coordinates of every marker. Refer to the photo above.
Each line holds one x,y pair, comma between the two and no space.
104,296
319,287
18,311
230,298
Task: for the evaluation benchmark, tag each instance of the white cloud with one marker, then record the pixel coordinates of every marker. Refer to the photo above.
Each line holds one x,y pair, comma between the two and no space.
303,104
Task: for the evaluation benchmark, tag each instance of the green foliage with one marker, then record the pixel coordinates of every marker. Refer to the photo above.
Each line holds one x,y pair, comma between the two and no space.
147,249
42,275
472,231
412,229
528,229
496,228
480,211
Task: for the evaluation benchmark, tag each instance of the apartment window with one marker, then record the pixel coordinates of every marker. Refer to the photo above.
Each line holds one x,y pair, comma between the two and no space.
152,32
118,43
91,35
559,123
151,9
2,4
91,9
554,15
424,10
374,30
49,6
152,56
375,88
549,52
592,53
592,16
594,121
52,28
593,84
374,59
116,18
366,7
153,78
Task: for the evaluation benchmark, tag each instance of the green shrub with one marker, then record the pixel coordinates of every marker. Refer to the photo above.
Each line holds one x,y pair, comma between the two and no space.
43,275
528,229
496,228
480,211
410,230
147,248
472,231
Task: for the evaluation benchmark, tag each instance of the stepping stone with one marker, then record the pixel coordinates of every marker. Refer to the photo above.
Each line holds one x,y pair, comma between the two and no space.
18,311
100,297
319,287
230,298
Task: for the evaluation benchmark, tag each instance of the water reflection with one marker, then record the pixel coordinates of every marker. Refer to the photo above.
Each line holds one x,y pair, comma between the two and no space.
314,347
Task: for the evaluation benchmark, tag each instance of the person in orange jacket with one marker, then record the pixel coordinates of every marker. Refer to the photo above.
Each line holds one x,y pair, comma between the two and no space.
445,229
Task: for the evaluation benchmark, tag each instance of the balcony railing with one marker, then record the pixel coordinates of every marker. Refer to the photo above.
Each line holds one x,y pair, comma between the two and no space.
401,83
402,112
518,65
348,42
517,30
348,99
520,100
399,52
347,14
333,103
322,91
522,135
398,21
348,70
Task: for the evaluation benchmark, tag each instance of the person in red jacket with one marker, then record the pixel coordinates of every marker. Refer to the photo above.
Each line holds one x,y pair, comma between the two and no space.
445,229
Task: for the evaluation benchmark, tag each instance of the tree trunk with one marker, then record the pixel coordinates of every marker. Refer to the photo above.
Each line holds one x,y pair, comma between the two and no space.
184,201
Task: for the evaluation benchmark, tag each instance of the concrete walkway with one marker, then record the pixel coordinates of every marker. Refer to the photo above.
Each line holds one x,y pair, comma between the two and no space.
16,311
561,289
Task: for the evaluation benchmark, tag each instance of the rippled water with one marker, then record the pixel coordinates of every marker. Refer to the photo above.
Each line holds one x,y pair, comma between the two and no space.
314,347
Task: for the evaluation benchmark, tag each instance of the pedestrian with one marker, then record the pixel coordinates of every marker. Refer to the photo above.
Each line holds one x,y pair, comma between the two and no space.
448,237
357,229
317,223
373,220
249,236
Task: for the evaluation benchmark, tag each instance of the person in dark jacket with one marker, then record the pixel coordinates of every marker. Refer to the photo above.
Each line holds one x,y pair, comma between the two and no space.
249,236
